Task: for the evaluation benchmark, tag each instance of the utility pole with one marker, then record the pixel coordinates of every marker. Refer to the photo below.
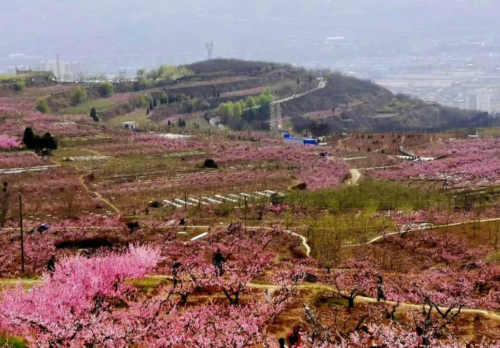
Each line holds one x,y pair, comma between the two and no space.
245,217
22,232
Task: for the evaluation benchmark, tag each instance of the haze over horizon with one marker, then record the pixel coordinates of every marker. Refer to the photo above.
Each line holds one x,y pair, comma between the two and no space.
107,35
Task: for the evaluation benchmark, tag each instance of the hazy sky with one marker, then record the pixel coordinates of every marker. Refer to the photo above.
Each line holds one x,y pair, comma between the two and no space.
149,32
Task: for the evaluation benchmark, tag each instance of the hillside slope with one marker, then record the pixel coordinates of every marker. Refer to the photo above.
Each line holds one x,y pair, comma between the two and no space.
350,104
345,104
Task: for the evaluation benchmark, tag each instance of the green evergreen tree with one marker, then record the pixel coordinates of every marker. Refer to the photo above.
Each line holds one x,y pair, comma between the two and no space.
93,114
29,138
48,142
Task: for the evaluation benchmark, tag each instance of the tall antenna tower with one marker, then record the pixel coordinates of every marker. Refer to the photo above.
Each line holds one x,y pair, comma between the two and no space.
210,49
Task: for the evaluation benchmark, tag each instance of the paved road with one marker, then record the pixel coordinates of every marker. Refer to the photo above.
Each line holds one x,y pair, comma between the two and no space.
26,170
322,84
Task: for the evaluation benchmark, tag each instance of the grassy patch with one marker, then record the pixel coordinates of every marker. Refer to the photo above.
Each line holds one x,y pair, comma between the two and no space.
495,257
396,106
369,194
12,342
494,131
101,105
139,164
138,116
148,284
12,77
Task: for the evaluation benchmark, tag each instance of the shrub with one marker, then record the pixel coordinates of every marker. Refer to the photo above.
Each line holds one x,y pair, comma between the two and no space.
42,105
106,89
210,163
19,85
93,114
11,342
78,96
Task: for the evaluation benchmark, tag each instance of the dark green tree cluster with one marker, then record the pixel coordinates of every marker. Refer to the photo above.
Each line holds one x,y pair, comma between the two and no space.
156,77
181,123
253,112
140,101
162,97
169,72
159,98
106,89
194,105
40,144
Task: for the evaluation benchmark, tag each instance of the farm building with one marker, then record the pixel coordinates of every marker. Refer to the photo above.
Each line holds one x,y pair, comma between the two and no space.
305,141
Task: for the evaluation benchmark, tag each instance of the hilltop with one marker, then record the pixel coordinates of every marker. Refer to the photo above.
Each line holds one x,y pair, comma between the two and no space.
245,94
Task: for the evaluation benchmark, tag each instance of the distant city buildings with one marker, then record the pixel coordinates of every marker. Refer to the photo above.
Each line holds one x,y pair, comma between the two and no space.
61,70
481,93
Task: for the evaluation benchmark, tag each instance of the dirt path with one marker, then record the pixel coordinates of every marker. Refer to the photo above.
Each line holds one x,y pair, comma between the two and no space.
295,234
492,315
304,241
98,195
363,299
95,193
355,176
432,227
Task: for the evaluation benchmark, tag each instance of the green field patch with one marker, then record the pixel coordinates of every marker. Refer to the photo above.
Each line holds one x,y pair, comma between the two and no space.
12,342
138,116
186,154
101,105
12,77
494,257
139,165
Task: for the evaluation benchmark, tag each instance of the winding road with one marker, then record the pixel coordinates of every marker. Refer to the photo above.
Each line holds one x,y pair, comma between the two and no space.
322,84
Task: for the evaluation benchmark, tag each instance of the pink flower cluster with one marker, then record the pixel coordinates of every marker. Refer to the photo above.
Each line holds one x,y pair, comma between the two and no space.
316,171
87,302
18,113
147,144
8,142
65,302
460,162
